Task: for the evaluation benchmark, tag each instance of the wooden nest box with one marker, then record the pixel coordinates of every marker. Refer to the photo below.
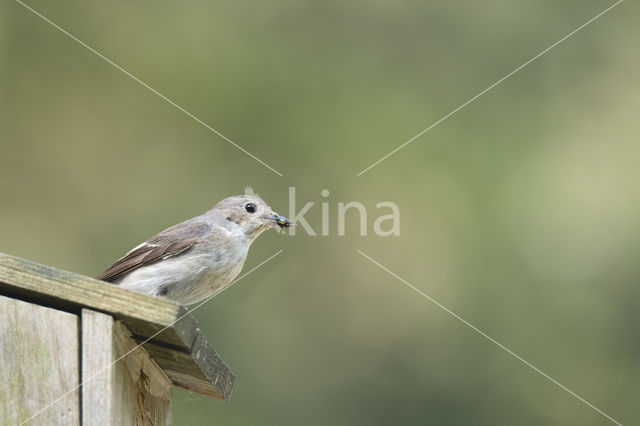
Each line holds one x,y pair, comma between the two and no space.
70,351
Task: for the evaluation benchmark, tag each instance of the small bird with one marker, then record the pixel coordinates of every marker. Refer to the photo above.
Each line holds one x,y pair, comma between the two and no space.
194,259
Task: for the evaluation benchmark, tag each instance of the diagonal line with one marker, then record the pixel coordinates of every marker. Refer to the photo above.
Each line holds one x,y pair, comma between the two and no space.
151,89
491,339
149,338
491,87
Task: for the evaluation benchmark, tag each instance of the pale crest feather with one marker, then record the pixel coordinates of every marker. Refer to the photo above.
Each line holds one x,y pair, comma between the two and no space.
248,190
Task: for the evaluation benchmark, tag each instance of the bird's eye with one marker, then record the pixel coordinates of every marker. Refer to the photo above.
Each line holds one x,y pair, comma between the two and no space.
250,207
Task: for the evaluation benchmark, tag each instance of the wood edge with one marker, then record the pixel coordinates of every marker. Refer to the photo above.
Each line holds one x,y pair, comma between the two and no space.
195,385
208,375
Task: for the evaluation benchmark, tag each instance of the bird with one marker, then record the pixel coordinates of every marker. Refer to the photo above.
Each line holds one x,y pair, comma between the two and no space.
192,260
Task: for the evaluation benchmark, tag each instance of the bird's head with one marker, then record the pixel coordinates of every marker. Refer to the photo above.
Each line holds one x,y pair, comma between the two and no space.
250,214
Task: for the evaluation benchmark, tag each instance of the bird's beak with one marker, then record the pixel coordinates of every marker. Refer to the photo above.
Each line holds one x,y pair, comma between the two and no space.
280,221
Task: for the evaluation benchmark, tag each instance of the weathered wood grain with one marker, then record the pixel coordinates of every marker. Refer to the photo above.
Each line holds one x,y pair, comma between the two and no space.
192,362
118,388
144,315
38,364
197,376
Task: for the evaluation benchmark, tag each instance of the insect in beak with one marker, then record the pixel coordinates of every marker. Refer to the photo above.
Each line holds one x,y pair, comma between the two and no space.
282,221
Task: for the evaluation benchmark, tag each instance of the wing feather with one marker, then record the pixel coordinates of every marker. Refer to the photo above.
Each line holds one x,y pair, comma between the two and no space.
168,243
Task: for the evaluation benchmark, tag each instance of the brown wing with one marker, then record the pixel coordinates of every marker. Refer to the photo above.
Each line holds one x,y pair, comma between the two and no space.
170,242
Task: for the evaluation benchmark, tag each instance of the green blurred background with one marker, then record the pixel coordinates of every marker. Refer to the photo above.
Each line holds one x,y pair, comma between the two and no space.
521,213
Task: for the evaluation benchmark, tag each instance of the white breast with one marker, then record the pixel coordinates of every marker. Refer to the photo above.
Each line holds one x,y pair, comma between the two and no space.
194,275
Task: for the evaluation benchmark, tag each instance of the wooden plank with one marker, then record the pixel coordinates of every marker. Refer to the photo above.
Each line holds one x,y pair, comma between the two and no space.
119,388
38,364
208,375
142,314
